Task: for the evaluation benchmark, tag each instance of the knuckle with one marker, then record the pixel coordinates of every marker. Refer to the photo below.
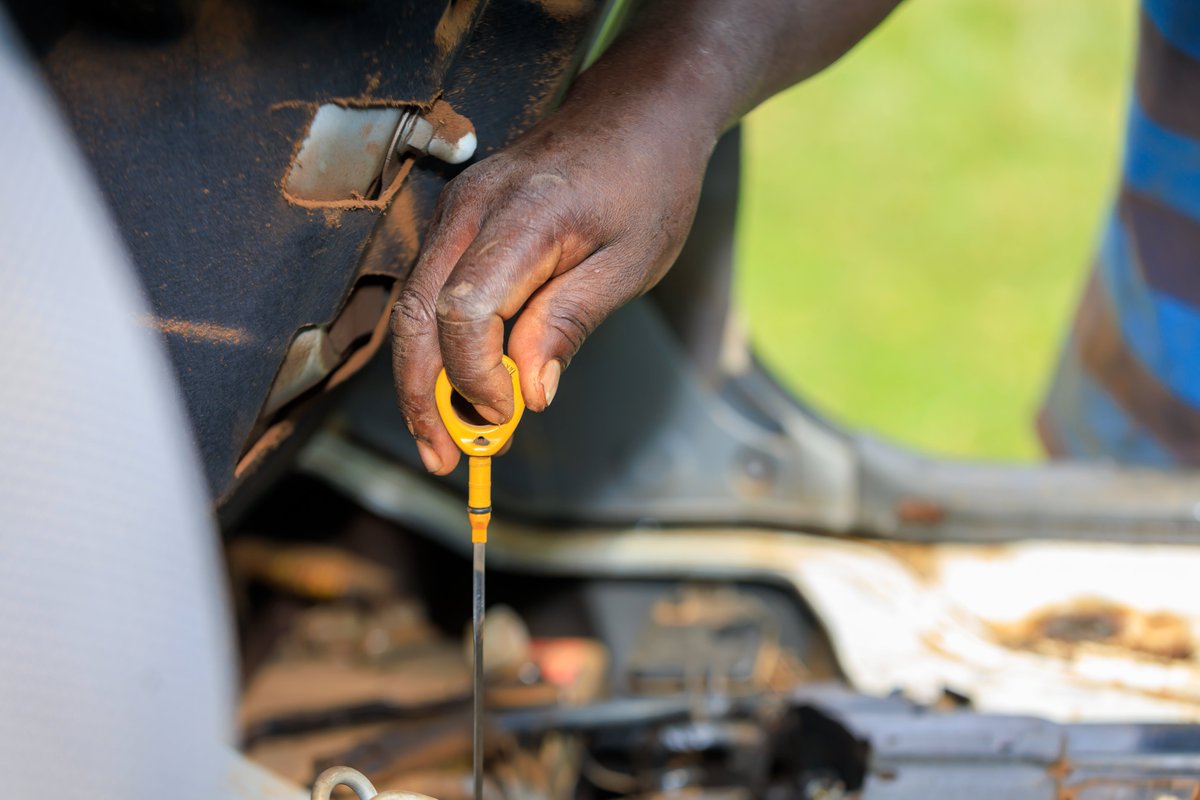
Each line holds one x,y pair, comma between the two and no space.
412,310
453,198
460,304
395,321
541,195
572,324
470,182
452,195
529,193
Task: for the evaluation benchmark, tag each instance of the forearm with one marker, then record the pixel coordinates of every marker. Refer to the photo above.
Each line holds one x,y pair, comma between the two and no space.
708,62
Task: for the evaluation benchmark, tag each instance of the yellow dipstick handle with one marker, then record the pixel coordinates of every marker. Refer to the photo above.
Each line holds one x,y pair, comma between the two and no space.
480,441
479,496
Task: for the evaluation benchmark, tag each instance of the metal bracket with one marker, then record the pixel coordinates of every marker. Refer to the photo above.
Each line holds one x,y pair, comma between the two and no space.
680,451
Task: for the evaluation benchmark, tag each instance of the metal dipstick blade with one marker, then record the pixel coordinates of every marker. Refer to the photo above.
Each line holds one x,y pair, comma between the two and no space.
477,606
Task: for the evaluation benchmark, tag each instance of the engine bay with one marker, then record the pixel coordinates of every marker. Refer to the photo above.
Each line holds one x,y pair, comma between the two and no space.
356,652
354,655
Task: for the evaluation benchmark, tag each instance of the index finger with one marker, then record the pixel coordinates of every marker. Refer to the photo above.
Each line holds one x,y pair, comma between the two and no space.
416,356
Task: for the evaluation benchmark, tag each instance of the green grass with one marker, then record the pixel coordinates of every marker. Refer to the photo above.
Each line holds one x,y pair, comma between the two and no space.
917,221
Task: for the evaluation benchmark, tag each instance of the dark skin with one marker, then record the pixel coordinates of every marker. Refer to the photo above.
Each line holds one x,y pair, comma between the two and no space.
589,208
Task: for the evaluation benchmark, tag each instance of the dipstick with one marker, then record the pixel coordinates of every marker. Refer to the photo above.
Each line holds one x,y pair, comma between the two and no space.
479,441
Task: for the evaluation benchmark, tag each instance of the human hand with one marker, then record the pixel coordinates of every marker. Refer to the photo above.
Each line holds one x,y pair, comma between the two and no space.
583,213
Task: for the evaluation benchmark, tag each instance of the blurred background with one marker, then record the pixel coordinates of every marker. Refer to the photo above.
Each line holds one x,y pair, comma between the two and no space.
917,221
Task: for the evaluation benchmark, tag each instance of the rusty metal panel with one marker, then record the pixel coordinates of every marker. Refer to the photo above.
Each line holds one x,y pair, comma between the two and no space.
190,114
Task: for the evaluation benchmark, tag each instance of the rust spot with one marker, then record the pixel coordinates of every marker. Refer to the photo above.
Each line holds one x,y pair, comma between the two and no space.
1091,622
923,560
448,123
333,217
1060,769
454,23
919,511
1082,626
274,436
564,10
192,331
1158,788
317,572
373,80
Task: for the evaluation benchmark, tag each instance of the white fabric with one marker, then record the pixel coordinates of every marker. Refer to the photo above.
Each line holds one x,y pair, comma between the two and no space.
115,657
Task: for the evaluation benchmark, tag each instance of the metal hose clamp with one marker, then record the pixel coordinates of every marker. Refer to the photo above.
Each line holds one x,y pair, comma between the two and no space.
333,777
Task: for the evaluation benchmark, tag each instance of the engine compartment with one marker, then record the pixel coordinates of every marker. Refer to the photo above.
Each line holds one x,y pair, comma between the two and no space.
354,653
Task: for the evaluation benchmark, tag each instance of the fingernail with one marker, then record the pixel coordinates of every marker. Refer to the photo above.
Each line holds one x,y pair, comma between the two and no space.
490,414
429,457
550,375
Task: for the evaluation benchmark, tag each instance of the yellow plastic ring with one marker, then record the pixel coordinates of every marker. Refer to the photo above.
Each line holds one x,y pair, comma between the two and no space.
478,439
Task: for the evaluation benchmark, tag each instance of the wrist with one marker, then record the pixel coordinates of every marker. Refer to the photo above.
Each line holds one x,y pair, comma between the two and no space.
693,65
641,103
